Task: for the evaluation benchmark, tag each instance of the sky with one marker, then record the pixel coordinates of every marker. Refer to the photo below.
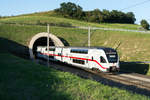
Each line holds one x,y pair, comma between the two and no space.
140,8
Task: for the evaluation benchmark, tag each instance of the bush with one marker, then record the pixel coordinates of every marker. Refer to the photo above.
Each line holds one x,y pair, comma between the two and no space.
145,24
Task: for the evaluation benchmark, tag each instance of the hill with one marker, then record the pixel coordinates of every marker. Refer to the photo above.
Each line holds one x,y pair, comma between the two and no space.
23,79
134,46
52,17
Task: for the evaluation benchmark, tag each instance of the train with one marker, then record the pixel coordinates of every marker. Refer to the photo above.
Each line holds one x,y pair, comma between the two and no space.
102,59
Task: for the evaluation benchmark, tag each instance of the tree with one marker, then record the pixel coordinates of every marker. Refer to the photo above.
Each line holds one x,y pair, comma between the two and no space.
106,16
70,10
131,17
97,14
145,24
78,12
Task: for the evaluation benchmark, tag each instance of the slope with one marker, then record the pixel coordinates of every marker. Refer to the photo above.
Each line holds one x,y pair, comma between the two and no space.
133,46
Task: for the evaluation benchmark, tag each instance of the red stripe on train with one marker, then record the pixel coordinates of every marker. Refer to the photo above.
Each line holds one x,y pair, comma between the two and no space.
77,58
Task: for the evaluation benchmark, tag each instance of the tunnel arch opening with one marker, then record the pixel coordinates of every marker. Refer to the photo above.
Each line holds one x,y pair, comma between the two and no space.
40,39
41,42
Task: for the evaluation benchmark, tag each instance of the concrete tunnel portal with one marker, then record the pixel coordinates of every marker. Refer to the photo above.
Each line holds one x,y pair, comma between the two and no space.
40,39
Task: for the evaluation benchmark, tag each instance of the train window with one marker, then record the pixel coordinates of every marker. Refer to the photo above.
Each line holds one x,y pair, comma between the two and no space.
50,49
102,60
79,61
87,61
80,51
92,58
59,54
112,58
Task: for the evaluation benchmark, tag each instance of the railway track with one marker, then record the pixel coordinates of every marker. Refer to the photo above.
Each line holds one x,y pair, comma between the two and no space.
128,79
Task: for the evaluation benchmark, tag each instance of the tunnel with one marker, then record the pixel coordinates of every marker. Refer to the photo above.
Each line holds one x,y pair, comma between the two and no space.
41,42
40,39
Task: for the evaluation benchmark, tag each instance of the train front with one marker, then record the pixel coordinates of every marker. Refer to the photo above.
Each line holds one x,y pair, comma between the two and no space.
112,60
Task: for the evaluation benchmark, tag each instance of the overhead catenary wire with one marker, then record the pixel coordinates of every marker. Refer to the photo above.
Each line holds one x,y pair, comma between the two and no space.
141,20
132,6
77,2
148,19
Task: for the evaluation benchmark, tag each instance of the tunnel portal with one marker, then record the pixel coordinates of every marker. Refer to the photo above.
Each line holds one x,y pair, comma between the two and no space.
40,39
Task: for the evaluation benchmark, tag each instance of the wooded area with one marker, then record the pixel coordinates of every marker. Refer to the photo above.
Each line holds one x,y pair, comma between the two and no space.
71,10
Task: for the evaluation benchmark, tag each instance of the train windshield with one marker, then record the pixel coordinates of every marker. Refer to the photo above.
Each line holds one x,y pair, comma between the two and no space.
112,55
112,58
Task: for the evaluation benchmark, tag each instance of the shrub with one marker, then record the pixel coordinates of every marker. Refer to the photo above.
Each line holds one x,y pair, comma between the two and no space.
145,24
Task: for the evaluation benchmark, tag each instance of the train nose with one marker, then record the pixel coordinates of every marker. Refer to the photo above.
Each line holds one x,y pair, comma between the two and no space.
113,69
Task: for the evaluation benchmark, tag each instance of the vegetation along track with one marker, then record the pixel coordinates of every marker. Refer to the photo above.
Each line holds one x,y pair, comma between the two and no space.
127,80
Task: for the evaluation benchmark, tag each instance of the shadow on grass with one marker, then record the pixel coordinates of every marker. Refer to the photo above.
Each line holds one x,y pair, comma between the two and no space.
134,67
13,48
24,80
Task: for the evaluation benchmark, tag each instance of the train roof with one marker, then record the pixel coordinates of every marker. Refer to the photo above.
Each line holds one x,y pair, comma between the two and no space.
92,47
106,49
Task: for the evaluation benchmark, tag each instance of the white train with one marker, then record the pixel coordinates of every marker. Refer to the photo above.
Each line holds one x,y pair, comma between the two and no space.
95,58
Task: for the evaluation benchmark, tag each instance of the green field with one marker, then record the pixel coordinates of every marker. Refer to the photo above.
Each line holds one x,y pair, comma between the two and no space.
22,79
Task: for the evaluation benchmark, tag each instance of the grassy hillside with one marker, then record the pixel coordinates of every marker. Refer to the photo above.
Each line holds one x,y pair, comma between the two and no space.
51,17
22,80
134,46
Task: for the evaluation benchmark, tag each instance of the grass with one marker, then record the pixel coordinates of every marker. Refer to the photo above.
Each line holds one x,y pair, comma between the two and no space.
33,18
25,80
134,46
22,34
19,33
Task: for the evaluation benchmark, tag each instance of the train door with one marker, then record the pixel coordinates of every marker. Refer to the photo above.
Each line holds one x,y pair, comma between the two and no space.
93,59
86,62
58,54
65,54
92,63
45,53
